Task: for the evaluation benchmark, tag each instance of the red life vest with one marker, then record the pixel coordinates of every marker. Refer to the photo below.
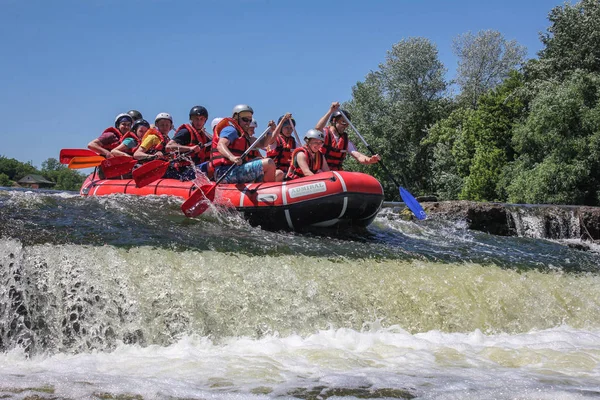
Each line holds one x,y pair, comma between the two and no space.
334,151
134,137
117,134
315,162
200,139
163,141
282,153
237,147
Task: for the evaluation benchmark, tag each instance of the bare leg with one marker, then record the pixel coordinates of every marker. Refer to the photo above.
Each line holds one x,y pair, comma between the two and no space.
268,170
279,175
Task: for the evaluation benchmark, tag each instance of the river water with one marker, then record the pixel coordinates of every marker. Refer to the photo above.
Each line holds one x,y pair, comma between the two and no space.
123,297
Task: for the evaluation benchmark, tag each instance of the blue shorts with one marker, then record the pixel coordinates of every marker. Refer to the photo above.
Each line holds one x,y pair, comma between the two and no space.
250,172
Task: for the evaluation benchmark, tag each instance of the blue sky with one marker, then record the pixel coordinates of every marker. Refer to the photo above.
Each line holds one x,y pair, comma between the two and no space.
70,66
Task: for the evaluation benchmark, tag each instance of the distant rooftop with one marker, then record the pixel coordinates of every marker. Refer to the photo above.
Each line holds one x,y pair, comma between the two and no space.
32,179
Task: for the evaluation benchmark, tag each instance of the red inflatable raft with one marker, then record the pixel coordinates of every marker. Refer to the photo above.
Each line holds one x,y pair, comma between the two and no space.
324,200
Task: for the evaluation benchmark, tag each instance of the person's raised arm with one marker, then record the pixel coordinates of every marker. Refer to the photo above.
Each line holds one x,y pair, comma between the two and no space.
325,118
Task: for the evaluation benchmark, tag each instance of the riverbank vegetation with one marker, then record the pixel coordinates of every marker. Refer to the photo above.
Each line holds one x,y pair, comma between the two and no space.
505,129
12,170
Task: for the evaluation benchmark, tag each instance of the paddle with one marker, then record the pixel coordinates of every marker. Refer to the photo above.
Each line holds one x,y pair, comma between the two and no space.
195,205
85,162
299,144
150,172
117,166
153,170
67,154
408,198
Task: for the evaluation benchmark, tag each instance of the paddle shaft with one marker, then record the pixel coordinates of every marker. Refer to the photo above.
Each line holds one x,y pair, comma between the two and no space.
296,134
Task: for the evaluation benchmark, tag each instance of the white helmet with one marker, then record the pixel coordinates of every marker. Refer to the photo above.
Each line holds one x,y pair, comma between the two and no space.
314,134
215,122
163,115
253,124
241,108
122,116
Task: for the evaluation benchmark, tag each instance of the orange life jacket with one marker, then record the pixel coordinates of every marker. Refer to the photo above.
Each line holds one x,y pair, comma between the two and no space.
282,153
334,151
197,138
163,141
315,162
134,137
117,142
237,147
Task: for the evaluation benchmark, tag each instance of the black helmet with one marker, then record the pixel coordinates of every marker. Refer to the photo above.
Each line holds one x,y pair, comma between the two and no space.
135,114
338,113
199,110
286,123
138,123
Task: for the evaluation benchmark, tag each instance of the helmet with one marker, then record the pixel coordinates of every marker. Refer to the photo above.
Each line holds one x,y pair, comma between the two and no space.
163,115
138,123
215,122
241,108
314,134
199,110
338,113
135,114
253,124
121,117
287,122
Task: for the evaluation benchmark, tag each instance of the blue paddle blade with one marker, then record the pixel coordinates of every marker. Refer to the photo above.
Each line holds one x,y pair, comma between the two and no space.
412,204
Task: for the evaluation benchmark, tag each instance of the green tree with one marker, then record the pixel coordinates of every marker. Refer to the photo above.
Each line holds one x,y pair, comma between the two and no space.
393,107
558,144
472,146
65,178
52,164
15,169
571,42
485,60
4,180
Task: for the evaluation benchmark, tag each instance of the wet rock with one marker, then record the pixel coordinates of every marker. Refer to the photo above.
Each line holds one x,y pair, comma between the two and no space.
542,221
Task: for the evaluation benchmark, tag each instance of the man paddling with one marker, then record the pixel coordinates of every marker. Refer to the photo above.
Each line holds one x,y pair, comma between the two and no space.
193,137
230,140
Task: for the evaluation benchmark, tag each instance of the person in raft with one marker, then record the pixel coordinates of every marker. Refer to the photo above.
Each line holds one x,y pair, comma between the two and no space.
193,137
112,136
254,154
252,127
230,140
308,160
132,139
285,144
154,141
337,145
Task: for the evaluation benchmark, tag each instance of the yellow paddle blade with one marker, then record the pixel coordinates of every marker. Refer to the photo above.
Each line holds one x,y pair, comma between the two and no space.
85,162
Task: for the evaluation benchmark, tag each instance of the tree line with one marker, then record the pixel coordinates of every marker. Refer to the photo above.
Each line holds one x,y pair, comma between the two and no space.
12,171
505,129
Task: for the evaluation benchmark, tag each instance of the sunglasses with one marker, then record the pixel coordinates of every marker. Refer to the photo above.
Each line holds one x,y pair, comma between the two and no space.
246,119
343,123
